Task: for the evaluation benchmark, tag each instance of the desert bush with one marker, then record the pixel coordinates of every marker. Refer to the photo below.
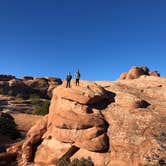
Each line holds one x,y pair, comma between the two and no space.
8,126
82,162
34,96
40,107
62,162
75,162
35,99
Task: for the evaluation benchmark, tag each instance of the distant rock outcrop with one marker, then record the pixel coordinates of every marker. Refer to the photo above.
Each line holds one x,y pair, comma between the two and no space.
26,78
15,88
43,86
136,72
25,87
154,73
6,77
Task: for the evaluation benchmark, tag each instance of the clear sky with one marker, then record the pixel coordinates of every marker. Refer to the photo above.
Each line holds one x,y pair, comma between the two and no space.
101,38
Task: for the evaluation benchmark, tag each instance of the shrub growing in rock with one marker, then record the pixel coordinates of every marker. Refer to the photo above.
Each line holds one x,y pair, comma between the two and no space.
82,162
34,96
62,162
40,106
75,162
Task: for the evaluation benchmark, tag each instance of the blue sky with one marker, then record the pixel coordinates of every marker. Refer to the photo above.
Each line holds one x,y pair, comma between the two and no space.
102,38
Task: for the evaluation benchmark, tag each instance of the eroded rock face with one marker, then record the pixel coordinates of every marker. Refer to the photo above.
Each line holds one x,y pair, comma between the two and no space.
135,119
155,73
129,129
25,87
6,77
72,122
25,78
136,72
16,88
42,86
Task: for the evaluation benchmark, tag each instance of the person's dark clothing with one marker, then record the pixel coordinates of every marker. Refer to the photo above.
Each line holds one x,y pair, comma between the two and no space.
77,82
68,84
77,77
68,79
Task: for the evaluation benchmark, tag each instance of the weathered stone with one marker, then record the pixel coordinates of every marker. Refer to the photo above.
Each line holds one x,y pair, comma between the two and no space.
136,72
129,130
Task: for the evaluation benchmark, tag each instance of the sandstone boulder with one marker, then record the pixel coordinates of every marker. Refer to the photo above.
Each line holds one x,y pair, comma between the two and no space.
53,83
43,86
123,76
155,73
6,77
72,122
25,87
15,87
19,89
39,86
25,78
136,72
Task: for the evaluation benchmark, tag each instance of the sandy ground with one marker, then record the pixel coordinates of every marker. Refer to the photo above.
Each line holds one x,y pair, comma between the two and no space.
25,121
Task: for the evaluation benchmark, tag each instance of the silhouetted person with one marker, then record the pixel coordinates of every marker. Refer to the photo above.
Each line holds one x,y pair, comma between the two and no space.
77,77
68,79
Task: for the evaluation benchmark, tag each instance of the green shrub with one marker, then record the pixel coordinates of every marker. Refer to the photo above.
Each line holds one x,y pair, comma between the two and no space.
8,126
40,107
82,162
35,99
75,162
62,162
34,96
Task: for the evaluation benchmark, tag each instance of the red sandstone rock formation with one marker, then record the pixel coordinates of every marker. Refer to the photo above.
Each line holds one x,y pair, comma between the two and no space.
136,72
71,123
154,73
6,77
25,78
116,124
23,88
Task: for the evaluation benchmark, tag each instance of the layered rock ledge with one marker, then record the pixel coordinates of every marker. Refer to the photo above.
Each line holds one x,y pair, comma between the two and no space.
72,123
119,123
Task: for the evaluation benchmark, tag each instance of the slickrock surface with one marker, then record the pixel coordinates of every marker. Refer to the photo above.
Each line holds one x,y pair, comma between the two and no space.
119,123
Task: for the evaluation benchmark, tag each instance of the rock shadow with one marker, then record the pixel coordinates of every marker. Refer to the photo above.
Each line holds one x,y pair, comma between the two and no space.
103,104
107,141
34,149
70,152
141,104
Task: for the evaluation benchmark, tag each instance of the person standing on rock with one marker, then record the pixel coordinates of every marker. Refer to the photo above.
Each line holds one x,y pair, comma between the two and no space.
68,79
77,77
